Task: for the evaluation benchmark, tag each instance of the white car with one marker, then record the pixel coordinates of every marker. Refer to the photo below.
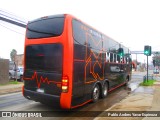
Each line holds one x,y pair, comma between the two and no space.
155,71
18,71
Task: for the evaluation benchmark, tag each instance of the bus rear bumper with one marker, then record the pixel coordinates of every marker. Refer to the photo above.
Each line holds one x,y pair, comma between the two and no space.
47,99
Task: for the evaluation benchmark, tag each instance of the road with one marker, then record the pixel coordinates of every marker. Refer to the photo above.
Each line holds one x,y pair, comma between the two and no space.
16,102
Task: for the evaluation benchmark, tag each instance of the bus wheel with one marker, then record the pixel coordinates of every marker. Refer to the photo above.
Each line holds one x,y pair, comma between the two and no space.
95,93
105,90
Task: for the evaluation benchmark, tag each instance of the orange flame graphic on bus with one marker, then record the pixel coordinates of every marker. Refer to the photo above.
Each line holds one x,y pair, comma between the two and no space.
98,63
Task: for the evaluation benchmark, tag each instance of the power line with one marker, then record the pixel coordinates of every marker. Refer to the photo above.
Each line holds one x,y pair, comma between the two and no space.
10,19
11,29
13,22
7,14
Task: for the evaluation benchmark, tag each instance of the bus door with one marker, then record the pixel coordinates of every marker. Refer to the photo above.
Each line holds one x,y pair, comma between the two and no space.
123,71
113,69
115,72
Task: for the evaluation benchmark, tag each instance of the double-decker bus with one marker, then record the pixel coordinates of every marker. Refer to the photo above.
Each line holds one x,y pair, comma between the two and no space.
68,63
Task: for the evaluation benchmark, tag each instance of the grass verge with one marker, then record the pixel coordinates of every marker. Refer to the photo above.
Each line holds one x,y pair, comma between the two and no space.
147,83
10,82
13,82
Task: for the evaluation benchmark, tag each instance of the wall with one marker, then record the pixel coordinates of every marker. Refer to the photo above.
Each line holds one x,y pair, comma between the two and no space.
4,71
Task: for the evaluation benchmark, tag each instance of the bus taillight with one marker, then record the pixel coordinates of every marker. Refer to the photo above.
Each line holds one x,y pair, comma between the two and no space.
65,84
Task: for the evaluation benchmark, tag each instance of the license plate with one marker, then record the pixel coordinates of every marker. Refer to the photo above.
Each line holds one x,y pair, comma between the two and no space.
40,90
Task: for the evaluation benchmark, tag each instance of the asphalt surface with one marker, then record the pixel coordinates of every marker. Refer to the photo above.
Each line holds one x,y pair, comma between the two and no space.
16,102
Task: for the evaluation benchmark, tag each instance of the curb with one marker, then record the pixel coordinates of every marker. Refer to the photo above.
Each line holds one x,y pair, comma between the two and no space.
7,89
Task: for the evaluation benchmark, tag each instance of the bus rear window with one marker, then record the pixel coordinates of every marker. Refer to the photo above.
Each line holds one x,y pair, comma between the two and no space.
46,57
43,28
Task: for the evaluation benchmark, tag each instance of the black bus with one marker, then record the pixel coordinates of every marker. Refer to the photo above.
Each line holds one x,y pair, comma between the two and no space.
68,63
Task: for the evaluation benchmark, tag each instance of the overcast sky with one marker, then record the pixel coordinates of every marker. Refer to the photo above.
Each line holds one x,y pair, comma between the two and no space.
135,23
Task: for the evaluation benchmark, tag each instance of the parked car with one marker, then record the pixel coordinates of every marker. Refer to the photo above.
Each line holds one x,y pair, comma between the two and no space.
18,71
155,71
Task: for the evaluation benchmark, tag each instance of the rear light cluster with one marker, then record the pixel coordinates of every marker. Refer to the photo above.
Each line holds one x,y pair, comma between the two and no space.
65,84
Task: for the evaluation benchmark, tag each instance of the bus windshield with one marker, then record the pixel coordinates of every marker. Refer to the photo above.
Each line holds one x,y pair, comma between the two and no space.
45,27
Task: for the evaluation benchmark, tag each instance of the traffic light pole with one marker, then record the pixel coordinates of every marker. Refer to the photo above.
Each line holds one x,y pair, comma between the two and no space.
147,68
147,52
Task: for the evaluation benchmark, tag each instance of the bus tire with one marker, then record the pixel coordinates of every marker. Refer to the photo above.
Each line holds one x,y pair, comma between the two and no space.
105,90
95,93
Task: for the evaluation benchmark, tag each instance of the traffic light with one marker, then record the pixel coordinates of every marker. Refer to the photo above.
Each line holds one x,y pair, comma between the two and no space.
120,52
147,50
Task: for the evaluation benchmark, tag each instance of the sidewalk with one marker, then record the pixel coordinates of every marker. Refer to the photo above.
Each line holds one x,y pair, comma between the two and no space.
142,99
11,88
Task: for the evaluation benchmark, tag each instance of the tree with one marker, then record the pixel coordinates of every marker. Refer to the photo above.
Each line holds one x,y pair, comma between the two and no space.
13,54
156,59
